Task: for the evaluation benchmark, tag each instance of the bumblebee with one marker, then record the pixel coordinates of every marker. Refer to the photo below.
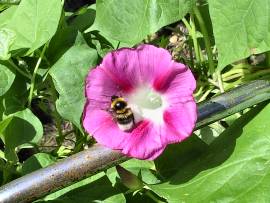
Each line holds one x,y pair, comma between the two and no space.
122,114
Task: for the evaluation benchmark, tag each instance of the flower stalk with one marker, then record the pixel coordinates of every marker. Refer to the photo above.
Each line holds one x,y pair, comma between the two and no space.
32,85
206,39
192,31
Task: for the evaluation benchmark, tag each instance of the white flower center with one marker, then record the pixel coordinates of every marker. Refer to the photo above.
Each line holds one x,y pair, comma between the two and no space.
146,103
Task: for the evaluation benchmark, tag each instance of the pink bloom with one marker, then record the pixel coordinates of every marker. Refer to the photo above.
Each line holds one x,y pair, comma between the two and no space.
157,89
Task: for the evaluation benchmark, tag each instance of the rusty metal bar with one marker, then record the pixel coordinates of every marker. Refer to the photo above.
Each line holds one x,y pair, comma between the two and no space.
98,158
232,102
59,175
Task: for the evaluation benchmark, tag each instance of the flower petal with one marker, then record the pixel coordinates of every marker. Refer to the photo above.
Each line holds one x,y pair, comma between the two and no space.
179,121
154,61
162,80
144,142
103,128
121,73
99,89
183,85
178,83
130,68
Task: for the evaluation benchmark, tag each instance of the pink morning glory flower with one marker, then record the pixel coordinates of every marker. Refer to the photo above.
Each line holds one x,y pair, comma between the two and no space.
157,90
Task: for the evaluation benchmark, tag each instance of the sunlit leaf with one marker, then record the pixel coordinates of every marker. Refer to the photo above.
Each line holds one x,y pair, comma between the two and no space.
6,15
241,28
93,189
68,75
37,161
24,128
7,37
235,168
4,123
6,79
143,169
34,23
132,21
15,98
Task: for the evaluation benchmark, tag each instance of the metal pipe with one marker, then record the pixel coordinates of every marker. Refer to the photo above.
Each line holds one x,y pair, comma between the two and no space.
98,158
59,175
232,102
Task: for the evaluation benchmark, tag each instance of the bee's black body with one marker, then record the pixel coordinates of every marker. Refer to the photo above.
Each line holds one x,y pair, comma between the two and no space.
121,113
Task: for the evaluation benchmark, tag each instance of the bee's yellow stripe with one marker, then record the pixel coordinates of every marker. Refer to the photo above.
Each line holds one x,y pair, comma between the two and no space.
121,111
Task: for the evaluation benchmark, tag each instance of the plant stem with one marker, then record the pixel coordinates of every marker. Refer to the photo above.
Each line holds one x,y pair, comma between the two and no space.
235,71
194,36
192,31
57,117
242,66
213,82
18,69
191,55
258,74
187,25
220,82
32,85
234,76
204,96
206,39
199,92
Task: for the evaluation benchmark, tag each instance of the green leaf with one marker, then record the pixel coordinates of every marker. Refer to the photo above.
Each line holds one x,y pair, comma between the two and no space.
209,133
4,123
63,40
7,37
2,163
84,18
241,28
37,161
15,98
143,169
178,155
68,75
101,44
96,188
24,128
6,78
235,168
6,15
132,21
34,22
128,179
